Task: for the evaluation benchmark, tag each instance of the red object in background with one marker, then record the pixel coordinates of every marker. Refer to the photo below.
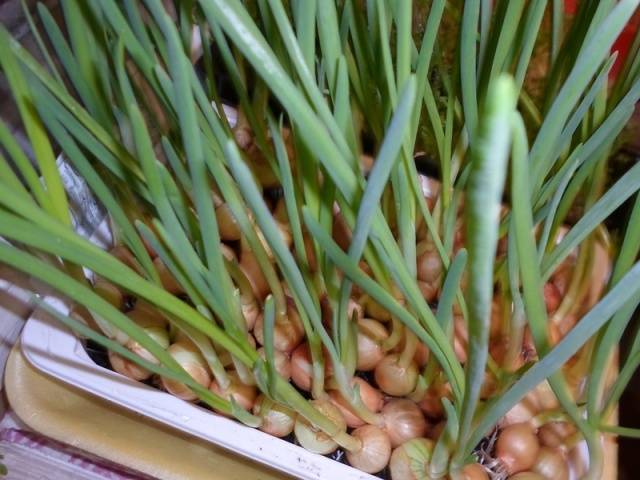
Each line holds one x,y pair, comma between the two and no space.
622,44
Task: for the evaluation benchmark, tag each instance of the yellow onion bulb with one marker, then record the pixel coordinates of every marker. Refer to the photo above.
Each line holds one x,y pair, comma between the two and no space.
250,311
410,460
282,362
244,395
370,335
375,451
128,368
169,282
474,471
517,448
124,255
431,403
552,297
312,438
251,269
422,355
395,379
301,367
227,223
403,421
554,434
109,292
521,412
374,310
188,356
429,290
551,464
288,331
371,398
277,420
428,262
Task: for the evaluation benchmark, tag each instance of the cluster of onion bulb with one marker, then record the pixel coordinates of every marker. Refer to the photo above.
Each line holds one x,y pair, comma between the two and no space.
409,419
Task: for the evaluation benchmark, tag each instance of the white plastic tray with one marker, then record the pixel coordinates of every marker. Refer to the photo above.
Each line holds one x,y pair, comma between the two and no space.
55,350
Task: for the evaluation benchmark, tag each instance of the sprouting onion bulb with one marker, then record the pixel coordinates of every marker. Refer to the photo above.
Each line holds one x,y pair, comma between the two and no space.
410,460
371,334
244,395
251,269
517,448
277,420
375,451
403,421
189,357
551,464
396,379
311,437
431,403
371,398
429,264
282,362
288,331
301,368
250,310
474,471
109,292
128,368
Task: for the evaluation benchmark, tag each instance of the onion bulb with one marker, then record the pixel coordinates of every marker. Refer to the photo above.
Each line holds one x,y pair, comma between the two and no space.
551,464
251,269
244,395
403,421
396,379
189,357
288,331
227,223
375,451
431,403
370,336
429,265
474,471
371,398
109,292
169,282
554,434
125,256
312,438
282,362
552,297
277,420
250,310
374,310
521,412
301,367
429,290
128,368
410,461
517,448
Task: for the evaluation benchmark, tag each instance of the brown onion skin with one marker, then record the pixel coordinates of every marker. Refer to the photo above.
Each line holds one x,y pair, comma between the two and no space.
316,440
169,282
369,349
403,421
196,368
395,379
517,448
371,397
251,269
227,224
431,403
375,452
551,464
301,367
109,292
428,263
474,471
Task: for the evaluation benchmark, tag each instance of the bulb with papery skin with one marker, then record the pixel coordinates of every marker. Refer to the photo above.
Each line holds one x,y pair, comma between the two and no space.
281,360
474,471
410,461
396,379
277,420
371,398
301,367
227,223
551,464
312,438
288,331
128,368
371,334
517,447
188,356
403,421
375,450
244,395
